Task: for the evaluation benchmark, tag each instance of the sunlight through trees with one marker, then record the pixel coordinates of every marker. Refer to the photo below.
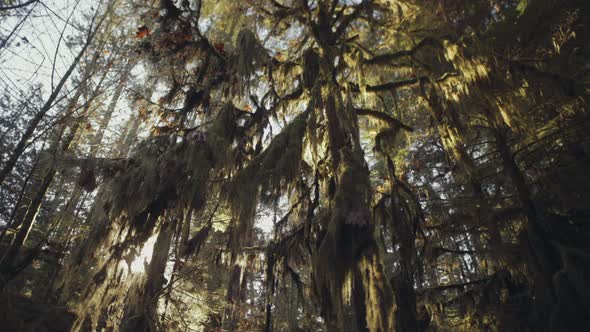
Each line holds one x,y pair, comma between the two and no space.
294,165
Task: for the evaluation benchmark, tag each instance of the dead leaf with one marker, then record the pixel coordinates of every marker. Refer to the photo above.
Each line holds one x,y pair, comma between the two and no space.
220,47
142,32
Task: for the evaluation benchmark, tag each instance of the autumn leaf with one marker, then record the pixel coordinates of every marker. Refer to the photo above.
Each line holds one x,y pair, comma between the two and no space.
220,48
142,32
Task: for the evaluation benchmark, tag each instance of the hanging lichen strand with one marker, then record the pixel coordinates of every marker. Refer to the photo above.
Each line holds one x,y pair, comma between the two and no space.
143,198
313,165
249,56
146,187
266,177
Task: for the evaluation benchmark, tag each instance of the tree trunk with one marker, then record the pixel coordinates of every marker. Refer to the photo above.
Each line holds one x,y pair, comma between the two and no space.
403,282
41,189
543,260
49,103
235,295
349,246
106,119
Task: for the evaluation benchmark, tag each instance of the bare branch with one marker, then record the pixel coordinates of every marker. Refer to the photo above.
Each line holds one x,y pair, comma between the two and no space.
21,5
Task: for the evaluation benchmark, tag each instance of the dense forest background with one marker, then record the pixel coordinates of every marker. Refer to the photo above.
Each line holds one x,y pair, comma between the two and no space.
294,165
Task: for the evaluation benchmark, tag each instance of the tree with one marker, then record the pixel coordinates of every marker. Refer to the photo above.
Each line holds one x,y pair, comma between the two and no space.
30,130
342,165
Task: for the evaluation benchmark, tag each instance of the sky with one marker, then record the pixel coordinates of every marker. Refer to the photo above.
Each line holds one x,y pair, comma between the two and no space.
35,53
36,49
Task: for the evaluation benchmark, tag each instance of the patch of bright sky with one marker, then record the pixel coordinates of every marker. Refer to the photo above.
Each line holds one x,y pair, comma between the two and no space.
145,255
266,217
35,55
27,57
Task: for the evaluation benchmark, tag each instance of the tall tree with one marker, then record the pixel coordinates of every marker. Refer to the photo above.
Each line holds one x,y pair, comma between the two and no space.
338,165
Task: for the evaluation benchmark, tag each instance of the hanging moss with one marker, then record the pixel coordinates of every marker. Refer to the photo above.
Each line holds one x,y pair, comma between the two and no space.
247,58
348,235
267,175
164,173
311,68
161,170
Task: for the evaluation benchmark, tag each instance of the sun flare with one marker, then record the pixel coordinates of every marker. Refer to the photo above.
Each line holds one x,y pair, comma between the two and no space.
145,256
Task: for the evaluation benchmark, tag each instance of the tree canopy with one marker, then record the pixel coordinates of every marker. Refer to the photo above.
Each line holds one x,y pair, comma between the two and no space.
295,165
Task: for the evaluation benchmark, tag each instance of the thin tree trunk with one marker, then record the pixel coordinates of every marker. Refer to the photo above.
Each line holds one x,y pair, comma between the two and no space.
49,103
20,207
31,214
106,119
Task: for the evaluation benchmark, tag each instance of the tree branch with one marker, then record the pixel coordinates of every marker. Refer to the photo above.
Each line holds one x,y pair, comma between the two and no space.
349,18
451,286
385,58
383,117
24,4
401,83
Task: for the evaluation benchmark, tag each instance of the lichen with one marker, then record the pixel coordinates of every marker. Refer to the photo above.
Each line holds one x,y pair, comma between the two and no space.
267,175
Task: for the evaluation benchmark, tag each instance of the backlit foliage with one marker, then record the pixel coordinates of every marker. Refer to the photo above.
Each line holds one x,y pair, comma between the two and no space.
334,165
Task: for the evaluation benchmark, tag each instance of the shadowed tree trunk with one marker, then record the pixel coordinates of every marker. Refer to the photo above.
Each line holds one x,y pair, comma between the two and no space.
40,186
